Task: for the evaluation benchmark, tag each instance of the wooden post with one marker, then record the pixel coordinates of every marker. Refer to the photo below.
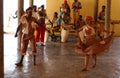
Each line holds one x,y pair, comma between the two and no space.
20,12
96,10
1,41
30,3
107,16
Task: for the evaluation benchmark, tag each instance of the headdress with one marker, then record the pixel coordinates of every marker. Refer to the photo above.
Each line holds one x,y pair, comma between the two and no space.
90,18
29,9
65,0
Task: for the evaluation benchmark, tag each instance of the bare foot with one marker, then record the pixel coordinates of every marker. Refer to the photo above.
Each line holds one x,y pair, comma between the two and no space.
34,64
94,66
19,64
84,69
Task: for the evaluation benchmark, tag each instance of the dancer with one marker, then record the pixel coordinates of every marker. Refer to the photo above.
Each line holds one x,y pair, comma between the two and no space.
40,29
28,28
89,46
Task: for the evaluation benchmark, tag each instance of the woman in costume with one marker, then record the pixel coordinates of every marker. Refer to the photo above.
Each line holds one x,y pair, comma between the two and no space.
88,45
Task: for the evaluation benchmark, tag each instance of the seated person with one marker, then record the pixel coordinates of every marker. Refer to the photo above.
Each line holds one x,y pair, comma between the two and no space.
55,26
80,22
56,22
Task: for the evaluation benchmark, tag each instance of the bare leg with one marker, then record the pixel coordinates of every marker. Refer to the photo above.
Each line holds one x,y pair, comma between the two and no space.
86,62
95,59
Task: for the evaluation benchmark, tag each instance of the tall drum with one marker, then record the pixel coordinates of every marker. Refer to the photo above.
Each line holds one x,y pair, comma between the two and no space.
64,35
46,36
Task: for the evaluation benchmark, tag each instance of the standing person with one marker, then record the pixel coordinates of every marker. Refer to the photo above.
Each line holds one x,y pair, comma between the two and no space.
28,27
41,30
80,22
34,12
90,46
36,15
65,12
101,18
102,13
76,6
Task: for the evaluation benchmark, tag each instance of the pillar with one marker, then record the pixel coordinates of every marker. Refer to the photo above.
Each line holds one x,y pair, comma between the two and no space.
96,10
20,12
107,16
1,41
30,3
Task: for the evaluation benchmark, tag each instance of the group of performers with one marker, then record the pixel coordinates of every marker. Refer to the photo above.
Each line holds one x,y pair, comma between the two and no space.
33,27
65,11
65,18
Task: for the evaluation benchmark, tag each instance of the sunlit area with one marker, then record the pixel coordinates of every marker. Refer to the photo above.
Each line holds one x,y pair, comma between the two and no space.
10,10
61,39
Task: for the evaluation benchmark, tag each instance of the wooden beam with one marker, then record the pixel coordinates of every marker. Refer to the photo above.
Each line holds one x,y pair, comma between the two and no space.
96,10
1,41
20,12
107,16
31,2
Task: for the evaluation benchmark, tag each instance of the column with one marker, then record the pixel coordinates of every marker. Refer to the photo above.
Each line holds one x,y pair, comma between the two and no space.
1,41
30,3
96,10
107,16
20,12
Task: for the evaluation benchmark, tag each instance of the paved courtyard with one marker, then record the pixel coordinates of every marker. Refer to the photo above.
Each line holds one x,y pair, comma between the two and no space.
58,60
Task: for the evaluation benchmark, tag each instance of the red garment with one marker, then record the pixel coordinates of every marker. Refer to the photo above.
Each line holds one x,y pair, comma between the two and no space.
40,33
37,34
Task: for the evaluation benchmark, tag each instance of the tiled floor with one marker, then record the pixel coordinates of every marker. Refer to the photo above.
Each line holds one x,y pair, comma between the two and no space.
58,60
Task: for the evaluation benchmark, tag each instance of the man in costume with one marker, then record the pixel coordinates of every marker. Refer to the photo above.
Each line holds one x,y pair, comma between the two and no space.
28,24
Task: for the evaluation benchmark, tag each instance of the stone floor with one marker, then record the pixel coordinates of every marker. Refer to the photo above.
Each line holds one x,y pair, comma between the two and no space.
58,60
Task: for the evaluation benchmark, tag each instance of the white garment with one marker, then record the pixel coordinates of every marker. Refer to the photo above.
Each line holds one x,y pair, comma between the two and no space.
24,22
25,25
88,28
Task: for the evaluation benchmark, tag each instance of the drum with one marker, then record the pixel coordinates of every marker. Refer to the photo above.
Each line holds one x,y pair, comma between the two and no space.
64,35
46,36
